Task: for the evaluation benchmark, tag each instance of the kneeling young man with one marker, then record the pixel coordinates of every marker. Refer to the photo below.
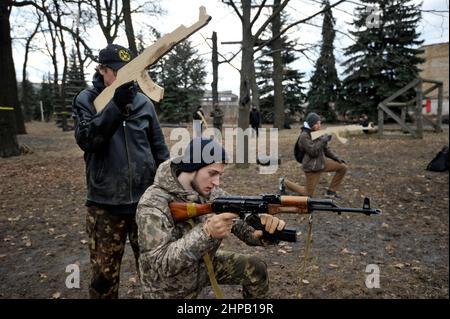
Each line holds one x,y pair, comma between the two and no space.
171,261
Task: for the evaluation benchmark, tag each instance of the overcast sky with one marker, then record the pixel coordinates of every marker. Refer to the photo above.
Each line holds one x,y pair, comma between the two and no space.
434,29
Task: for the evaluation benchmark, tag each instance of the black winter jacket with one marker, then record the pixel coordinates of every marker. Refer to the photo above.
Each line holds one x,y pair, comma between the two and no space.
255,118
121,153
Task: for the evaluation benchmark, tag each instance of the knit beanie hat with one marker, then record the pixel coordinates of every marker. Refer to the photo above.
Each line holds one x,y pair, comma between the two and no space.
201,152
312,118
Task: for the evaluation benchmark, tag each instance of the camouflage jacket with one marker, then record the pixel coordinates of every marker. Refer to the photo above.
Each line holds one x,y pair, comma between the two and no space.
315,152
171,255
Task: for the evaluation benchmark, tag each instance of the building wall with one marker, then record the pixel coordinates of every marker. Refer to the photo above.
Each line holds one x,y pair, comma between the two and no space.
436,67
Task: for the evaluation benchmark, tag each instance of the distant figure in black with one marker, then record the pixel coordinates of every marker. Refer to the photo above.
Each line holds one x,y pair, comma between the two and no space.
255,120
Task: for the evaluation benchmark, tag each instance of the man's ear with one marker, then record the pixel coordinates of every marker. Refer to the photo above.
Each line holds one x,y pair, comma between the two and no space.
101,71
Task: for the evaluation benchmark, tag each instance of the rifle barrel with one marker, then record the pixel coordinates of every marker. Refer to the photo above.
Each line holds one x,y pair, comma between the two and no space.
338,209
329,205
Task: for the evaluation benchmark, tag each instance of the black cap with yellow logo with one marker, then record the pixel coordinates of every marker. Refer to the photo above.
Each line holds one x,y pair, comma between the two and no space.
114,56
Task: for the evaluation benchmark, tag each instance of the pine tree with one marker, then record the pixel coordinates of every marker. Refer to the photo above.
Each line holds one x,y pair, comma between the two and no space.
46,95
324,90
29,99
384,57
183,77
292,81
75,83
75,76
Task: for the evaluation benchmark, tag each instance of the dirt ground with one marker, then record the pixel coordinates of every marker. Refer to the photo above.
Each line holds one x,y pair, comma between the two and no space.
42,222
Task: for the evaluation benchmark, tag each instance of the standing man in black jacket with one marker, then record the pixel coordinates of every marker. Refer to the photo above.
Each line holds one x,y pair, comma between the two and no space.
123,146
255,119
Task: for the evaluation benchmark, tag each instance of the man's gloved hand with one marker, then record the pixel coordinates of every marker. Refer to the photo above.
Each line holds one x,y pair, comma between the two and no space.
124,95
271,223
326,138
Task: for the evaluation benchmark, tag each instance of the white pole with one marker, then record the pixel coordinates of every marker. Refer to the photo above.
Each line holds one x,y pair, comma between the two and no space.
42,111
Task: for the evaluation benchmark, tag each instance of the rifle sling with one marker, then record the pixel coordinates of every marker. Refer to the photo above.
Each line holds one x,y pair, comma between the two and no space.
210,270
307,251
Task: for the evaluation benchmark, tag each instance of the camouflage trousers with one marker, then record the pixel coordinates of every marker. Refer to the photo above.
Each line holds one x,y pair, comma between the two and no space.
238,269
107,238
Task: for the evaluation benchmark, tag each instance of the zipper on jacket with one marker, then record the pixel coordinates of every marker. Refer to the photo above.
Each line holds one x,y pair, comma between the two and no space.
314,165
128,160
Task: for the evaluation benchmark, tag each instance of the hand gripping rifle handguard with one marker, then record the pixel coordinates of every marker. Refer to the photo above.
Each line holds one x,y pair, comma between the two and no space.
248,208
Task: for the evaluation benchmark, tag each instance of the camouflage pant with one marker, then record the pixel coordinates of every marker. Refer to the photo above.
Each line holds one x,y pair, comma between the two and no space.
107,237
237,269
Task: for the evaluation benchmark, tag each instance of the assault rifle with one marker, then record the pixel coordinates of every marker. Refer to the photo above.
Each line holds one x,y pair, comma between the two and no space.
248,208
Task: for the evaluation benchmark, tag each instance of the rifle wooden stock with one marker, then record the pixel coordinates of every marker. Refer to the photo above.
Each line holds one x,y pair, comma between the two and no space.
135,70
183,211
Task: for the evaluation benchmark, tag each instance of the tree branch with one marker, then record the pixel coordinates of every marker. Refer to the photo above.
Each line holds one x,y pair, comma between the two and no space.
268,42
230,59
258,13
233,5
50,18
274,14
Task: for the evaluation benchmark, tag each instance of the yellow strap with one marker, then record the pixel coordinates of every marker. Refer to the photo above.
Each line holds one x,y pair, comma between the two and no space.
307,250
209,268
6,108
212,277
191,210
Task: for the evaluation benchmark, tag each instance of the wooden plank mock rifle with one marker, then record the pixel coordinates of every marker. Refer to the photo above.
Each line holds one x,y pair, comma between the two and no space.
338,131
248,208
136,69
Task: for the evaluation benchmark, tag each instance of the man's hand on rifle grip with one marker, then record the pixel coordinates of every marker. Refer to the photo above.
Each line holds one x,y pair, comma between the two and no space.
271,224
220,225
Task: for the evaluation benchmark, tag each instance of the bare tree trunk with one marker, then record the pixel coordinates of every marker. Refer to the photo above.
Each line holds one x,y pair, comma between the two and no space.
255,90
60,36
76,36
26,104
12,98
129,27
77,41
112,16
20,123
8,83
53,52
215,65
277,74
244,91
